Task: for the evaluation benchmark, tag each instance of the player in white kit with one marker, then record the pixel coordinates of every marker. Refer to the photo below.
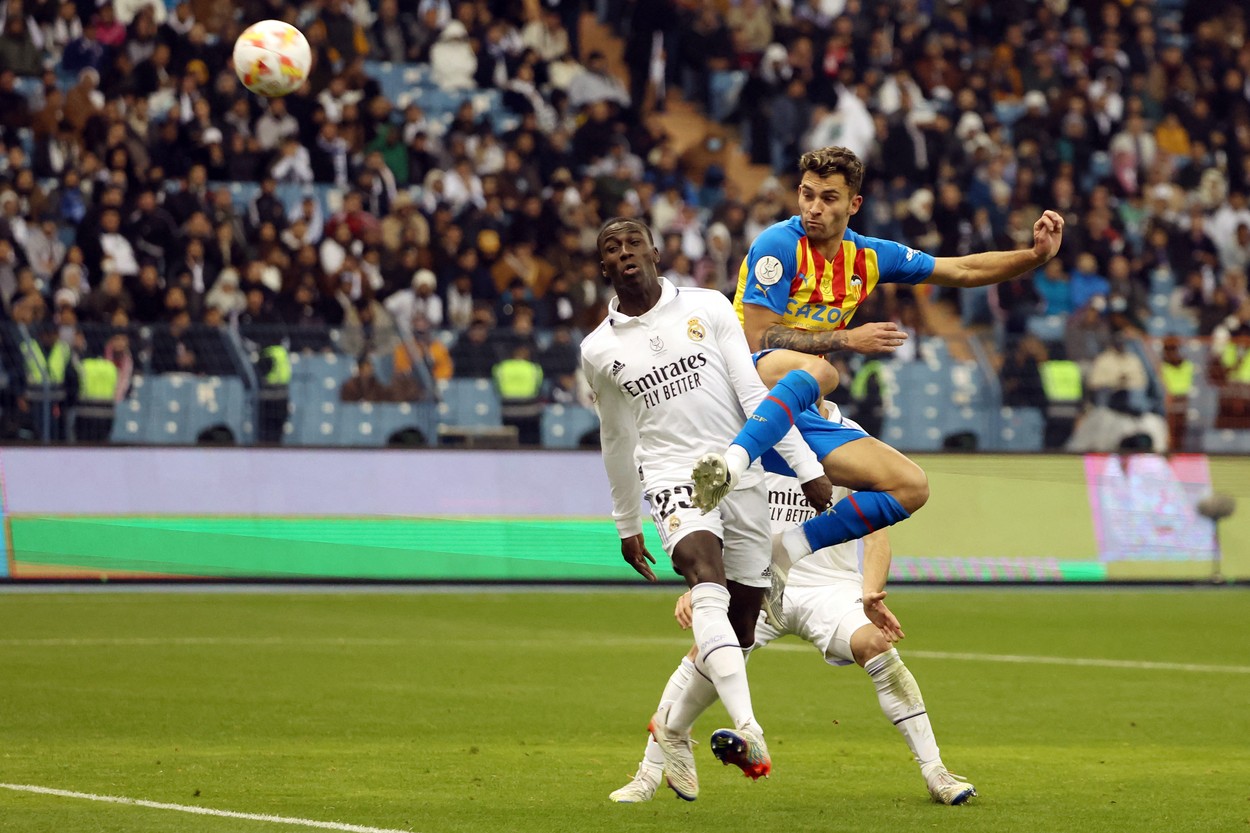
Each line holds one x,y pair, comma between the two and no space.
672,376
841,611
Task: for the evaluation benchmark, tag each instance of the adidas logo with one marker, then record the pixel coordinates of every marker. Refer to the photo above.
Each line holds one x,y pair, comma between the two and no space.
617,367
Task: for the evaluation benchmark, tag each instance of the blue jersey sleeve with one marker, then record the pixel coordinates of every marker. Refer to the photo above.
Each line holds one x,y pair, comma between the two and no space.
897,263
770,267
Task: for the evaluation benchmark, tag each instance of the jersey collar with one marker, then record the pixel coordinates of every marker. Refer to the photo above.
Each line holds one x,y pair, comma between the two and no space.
667,293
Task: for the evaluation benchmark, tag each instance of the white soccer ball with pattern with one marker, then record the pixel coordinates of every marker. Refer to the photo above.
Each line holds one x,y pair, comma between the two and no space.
272,58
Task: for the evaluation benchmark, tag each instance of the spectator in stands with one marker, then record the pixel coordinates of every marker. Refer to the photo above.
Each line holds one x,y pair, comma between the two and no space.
596,85
519,381
1020,375
368,327
363,385
1118,382
1177,375
452,58
473,354
18,50
1229,370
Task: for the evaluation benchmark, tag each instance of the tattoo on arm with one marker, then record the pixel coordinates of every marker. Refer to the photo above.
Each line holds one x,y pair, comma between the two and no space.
786,338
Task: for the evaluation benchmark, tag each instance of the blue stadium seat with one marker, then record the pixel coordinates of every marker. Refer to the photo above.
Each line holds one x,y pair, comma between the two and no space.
131,418
168,403
219,401
1225,441
1021,429
472,403
564,425
1046,327
356,426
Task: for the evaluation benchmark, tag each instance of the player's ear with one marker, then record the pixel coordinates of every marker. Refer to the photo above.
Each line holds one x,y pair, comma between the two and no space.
856,202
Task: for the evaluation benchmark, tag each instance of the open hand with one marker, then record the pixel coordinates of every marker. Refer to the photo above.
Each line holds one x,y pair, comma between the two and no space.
877,337
880,615
634,551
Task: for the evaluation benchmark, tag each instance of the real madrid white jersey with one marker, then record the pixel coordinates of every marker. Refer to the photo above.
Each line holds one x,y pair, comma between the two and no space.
671,385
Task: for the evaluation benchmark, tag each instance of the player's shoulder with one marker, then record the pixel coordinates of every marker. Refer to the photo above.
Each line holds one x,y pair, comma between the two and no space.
596,337
780,236
879,244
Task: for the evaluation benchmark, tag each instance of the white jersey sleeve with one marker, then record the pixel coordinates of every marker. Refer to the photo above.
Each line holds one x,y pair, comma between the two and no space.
619,439
751,391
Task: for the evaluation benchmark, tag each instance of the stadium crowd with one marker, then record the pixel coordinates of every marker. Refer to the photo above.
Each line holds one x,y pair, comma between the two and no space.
454,240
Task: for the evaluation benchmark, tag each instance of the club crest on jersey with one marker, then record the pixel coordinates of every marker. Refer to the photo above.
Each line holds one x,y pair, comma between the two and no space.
694,329
674,523
856,281
657,345
768,270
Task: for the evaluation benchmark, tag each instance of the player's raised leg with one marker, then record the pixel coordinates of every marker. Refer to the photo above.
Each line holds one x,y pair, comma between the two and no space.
889,488
716,473
902,703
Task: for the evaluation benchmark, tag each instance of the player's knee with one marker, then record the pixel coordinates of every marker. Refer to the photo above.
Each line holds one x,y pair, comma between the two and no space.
913,487
868,645
825,374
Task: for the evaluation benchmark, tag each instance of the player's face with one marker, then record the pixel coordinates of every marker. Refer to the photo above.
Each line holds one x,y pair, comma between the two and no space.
628,257
826,205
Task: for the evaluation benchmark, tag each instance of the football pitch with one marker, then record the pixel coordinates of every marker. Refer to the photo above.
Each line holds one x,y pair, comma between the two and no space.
449,712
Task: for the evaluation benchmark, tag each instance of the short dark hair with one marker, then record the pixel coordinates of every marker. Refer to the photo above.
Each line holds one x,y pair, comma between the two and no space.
826,162
624,221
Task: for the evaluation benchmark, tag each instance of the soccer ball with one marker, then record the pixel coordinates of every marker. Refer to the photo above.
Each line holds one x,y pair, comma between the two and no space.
272,58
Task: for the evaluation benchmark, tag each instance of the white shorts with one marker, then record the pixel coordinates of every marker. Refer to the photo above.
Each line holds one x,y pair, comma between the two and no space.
741,522
826,616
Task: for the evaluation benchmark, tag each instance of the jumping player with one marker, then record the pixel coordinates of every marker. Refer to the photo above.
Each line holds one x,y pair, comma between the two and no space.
798,289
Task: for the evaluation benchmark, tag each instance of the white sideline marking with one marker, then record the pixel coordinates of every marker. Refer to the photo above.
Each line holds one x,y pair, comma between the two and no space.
1082,662
1144,665
1019,659
103,641
201,811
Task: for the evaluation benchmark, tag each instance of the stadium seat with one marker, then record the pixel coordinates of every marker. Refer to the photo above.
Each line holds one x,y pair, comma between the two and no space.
563,426
1020,429
170,397
1225,441
469,403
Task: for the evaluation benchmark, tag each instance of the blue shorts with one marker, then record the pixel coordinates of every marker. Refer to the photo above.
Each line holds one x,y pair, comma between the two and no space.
821,435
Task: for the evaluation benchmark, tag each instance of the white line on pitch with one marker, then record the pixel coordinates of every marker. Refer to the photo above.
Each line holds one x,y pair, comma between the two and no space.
564,642
95,642
201,811
1144,665
1083,662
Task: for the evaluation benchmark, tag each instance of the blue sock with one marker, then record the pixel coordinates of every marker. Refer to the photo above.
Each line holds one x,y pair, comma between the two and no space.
854,516
796,391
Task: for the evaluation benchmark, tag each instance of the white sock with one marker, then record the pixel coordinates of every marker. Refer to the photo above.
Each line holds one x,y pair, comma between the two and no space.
653,759
720,655
694,700
901,702
738,461
794,547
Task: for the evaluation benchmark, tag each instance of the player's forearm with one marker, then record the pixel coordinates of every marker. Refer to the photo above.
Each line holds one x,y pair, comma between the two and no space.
803,341
876,561
986,268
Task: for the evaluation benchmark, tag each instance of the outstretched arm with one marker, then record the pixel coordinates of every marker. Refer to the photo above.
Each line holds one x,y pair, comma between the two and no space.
988,268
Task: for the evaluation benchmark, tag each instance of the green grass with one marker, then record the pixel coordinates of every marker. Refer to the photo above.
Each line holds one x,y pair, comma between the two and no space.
449,712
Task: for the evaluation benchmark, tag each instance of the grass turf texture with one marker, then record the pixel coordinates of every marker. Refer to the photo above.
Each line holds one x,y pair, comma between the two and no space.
448,712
